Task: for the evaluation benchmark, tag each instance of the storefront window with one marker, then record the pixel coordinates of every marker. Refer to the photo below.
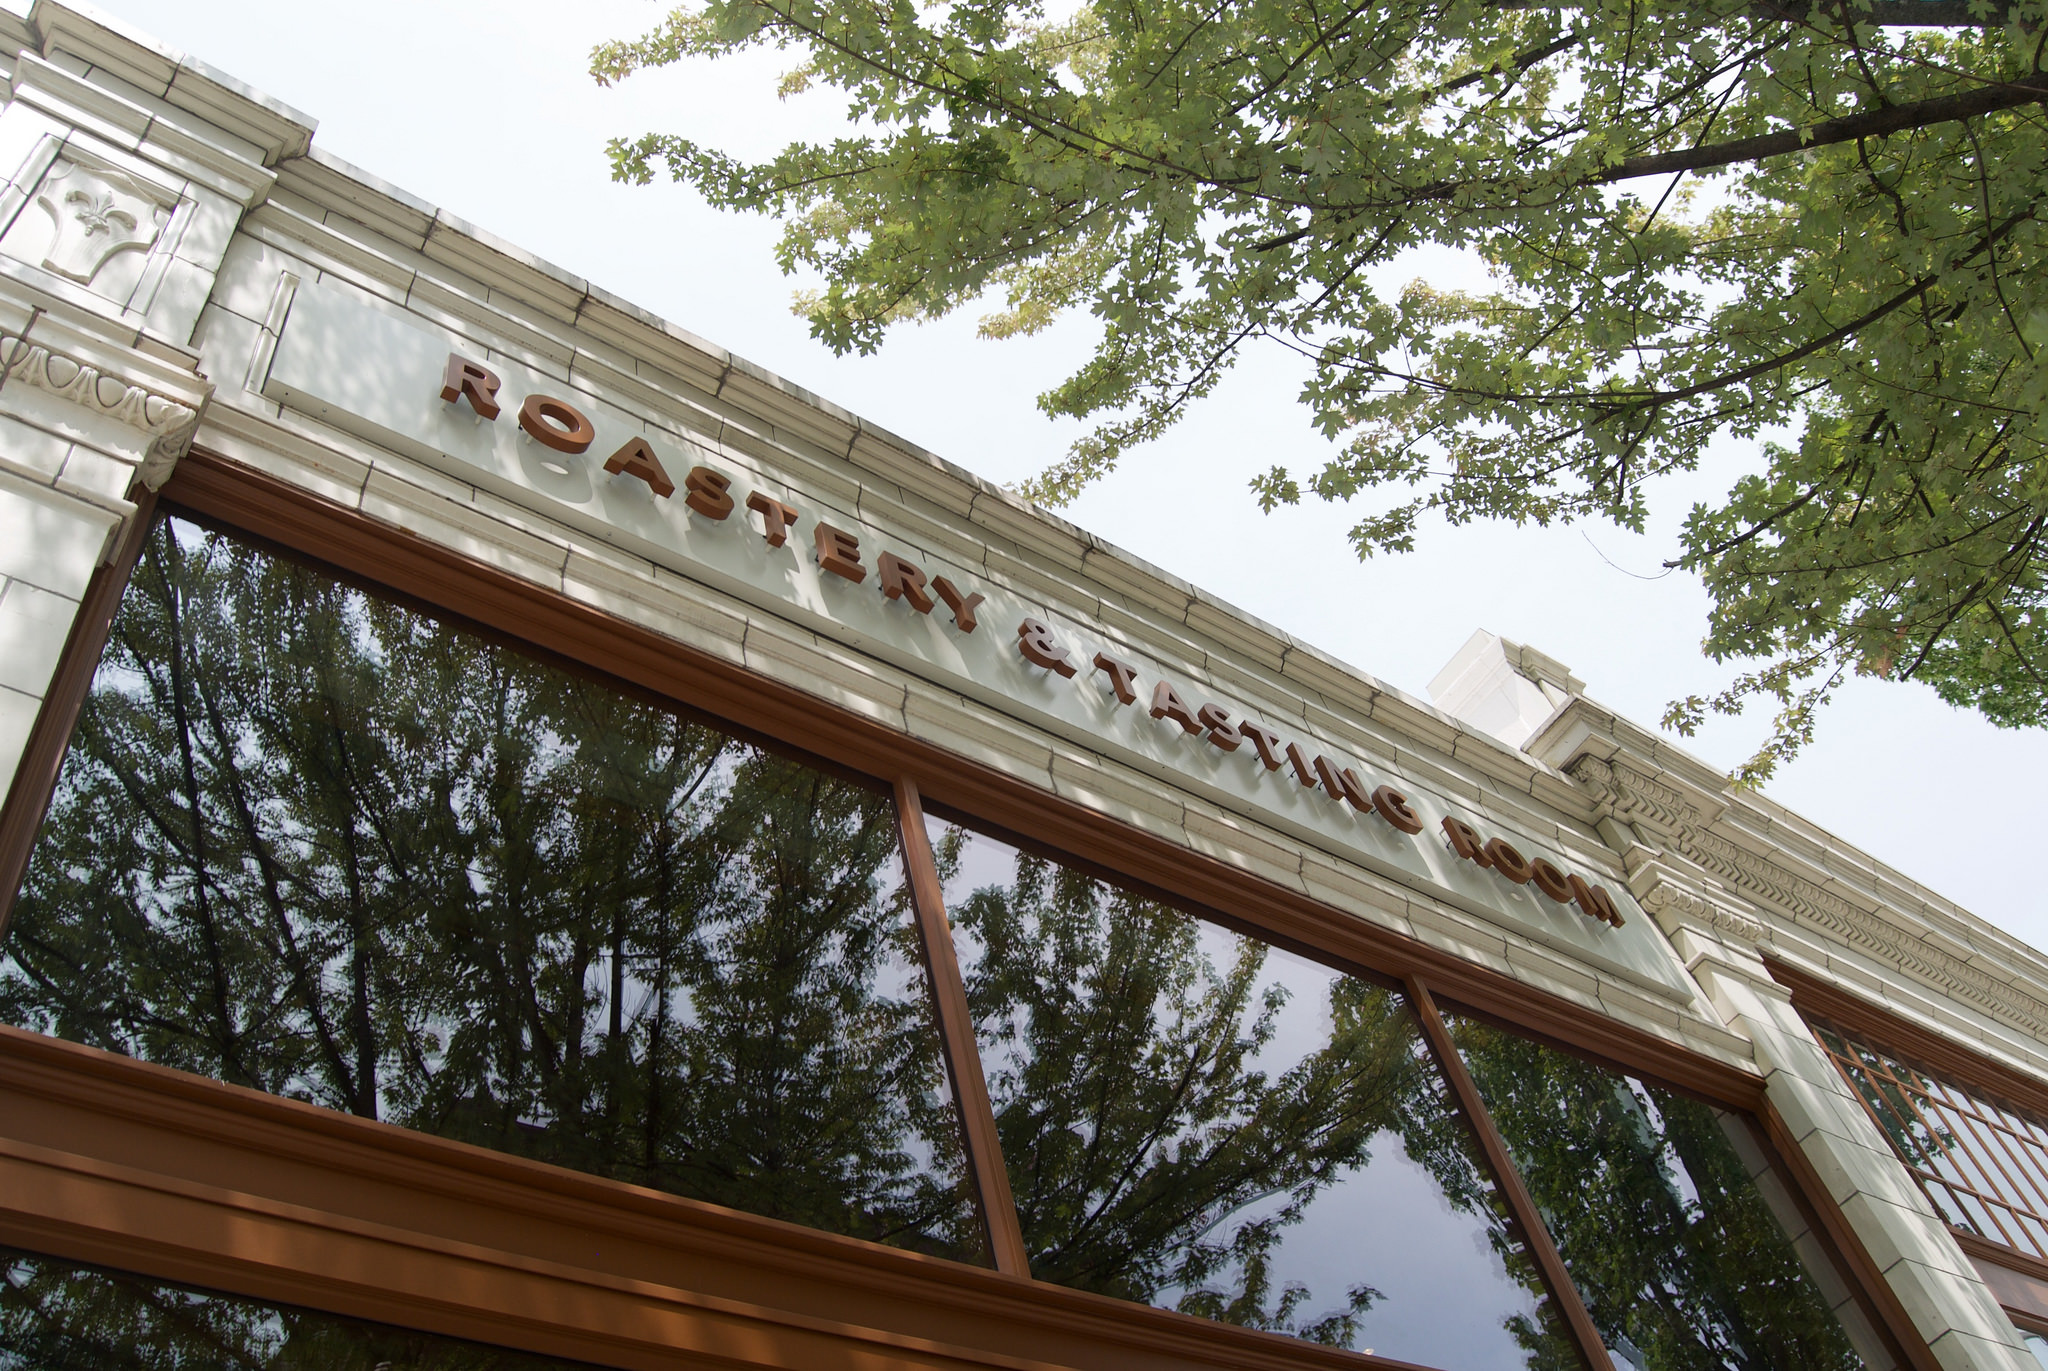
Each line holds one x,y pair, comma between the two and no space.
59,1316
1982,1165
317,843
1198,1120
1676,1253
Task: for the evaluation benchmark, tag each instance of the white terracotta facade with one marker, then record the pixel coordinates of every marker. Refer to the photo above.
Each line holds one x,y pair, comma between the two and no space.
182,267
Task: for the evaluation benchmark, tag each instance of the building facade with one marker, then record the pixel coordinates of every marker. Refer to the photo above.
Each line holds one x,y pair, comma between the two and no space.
530,840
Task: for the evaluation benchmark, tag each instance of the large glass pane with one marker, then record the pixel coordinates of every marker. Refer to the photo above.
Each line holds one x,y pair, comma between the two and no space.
1678,1255
1197,1120
314,842
60,1316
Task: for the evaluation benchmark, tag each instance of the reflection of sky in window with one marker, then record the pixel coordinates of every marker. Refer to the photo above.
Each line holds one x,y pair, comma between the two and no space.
1445,1293
1387,1223
1675,1172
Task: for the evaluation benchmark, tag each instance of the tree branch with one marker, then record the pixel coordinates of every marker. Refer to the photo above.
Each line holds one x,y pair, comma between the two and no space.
1873,123
1730,544
1826,340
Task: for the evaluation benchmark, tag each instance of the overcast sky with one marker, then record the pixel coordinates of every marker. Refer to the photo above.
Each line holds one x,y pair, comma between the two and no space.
486,111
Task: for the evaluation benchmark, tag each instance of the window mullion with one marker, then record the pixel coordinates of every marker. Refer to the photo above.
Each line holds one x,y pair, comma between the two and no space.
1513,1191
956,1031
35,780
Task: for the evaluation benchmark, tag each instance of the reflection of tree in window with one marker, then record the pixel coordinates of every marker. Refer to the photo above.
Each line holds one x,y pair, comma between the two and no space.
1193,1119
316,843
1678,1257
56,1316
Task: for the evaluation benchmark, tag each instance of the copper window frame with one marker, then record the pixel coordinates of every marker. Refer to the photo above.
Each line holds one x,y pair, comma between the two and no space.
2018,1278
120,1162
1981,1157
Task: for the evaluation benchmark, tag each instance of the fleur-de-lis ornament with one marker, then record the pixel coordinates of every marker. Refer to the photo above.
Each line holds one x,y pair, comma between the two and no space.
97,213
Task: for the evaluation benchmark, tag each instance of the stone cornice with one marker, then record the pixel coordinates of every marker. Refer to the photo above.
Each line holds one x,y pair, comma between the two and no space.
274,129
1779,881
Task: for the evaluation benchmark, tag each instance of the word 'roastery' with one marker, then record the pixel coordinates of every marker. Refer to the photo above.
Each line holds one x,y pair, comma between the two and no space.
561,427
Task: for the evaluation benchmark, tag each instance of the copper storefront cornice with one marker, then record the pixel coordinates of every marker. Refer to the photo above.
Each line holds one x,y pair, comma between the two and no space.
280,1198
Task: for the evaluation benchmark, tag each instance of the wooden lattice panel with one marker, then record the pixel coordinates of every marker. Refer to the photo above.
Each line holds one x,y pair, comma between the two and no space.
1982,1164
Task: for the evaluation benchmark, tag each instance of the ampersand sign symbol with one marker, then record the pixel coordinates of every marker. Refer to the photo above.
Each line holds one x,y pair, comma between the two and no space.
1040,648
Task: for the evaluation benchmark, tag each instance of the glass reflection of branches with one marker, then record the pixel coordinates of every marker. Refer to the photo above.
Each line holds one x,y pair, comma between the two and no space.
1657,1212
1194,1119
316,843
58,1316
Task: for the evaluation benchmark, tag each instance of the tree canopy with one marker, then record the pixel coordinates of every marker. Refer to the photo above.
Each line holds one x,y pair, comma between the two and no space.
1781,230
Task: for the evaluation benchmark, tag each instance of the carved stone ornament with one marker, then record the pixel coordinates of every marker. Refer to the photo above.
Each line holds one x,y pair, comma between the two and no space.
1667,897
171,422
1659,810
98,213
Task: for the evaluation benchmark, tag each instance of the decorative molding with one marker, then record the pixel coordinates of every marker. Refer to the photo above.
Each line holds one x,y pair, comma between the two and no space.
1667,897
1658,808
171,422
98,212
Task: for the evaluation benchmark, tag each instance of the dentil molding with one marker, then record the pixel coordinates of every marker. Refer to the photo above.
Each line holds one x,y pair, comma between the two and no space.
1664,811
1669,897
